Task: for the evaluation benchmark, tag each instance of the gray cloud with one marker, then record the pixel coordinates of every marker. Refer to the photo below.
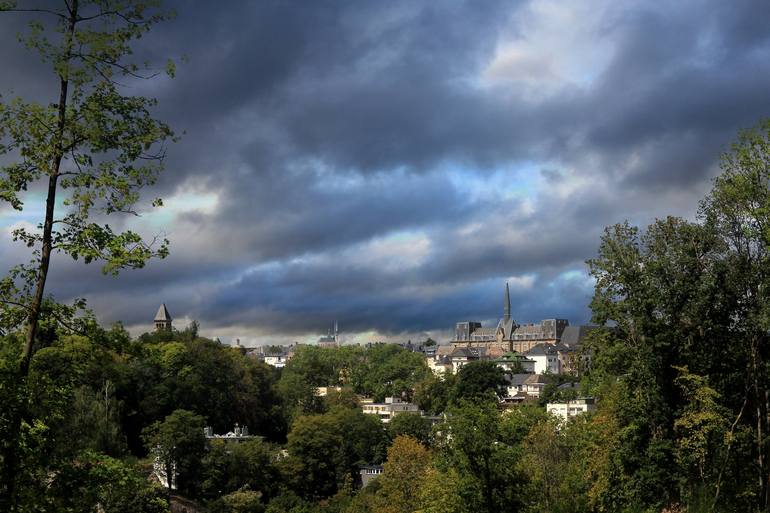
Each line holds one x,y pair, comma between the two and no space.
368,167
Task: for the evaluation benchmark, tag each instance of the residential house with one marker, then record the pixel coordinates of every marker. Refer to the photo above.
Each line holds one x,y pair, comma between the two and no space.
390,408
512,362
277,360
546,359
526,385
569,409
463,355
439,364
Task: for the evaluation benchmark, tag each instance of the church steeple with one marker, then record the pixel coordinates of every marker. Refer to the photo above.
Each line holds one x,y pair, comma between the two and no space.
507,305
163,319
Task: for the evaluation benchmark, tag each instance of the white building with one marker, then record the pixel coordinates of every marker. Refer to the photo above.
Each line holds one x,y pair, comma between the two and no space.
511,361
439,364
526,385
324,391
571,409
390,408
277,360
462,356
369,472
546,359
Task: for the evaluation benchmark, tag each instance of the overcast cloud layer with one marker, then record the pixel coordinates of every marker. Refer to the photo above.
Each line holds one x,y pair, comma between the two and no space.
391,165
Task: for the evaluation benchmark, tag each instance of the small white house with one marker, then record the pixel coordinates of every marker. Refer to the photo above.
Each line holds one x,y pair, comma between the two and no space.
546,359
512,361
276,360
527,385
439,364
390,408
570,409
461,356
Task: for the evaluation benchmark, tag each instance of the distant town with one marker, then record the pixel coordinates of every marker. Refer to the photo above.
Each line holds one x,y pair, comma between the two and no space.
530,356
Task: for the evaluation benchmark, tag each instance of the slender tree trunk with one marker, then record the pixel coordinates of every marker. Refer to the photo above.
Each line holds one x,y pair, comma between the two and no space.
760,396
11,453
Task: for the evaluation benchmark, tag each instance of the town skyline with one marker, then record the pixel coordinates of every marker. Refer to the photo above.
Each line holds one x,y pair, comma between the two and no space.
391,165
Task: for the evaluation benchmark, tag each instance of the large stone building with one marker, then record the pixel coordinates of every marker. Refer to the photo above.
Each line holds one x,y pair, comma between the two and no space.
510,336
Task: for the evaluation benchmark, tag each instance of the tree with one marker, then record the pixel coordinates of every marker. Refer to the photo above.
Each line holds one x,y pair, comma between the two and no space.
94,482
702,435
240,501
475,445
247,465
94,148
478,380
440,493
403,476
415,426
433,393
178,444
325,450
692,295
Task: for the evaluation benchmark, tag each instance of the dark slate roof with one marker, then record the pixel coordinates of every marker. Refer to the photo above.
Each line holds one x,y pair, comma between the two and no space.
163,314
519,379
468,352
540,350
573,335
564,348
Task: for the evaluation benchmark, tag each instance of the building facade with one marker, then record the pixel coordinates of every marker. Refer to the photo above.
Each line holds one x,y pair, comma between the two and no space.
390,408
508,335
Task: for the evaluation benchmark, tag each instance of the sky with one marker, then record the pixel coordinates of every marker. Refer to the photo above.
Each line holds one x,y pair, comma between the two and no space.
391,165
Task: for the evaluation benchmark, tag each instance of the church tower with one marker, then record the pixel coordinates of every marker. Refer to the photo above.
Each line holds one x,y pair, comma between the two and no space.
163,319
507,305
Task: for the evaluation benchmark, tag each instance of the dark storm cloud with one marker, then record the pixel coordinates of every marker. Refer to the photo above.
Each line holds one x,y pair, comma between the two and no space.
368,167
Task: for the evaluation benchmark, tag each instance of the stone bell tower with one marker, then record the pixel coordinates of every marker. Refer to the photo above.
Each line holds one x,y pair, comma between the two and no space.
163,319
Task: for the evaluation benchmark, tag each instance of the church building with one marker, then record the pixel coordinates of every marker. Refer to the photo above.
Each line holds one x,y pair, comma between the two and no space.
508,335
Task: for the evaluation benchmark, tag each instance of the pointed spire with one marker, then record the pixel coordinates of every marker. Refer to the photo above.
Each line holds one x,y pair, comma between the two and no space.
163,318
163,314
507,305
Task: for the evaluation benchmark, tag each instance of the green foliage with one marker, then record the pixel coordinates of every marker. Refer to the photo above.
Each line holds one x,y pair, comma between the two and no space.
691,295
377,371
241,501
440,493
326,449
345,397
177,445
203,376
403,476
229,467
473,444
93,481
92,149
479,380
433,393
411,425
389,371
93,422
